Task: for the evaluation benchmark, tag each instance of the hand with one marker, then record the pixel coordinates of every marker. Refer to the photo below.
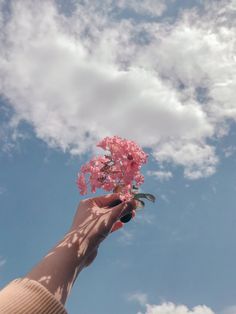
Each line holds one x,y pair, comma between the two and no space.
96,218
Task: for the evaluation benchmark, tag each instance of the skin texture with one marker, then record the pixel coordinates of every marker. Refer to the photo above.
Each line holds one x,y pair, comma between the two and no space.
94,220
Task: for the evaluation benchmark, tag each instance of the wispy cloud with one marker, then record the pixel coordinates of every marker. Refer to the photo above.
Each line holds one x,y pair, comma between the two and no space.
139,297
172,308
229,151
145,217
126,237
168,307
160,175
2,261
10,135
165,198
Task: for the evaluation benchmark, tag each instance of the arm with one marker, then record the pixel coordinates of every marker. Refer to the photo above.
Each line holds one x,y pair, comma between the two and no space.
94,220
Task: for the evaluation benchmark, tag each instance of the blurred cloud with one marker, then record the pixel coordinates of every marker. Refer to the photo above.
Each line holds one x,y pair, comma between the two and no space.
144,217
229,310
77,78
2,261
171,308
167,307
139,297
126,237
165,198
229,151
160,175
145,7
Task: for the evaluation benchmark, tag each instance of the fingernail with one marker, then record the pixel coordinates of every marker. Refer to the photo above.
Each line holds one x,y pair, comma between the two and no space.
128,206
115,203
137,203
126,218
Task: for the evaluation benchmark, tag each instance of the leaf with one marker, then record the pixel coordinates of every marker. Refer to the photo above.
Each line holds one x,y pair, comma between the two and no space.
142,204
148,196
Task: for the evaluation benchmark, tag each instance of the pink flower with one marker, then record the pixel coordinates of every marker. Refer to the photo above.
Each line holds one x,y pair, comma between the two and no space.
120,167
82,184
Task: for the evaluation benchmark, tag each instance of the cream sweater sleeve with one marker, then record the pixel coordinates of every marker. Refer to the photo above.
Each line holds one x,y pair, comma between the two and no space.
26,296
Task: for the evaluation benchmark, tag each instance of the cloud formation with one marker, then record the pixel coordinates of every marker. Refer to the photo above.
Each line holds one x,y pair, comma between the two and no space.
166,307
77,78
140,297
2,261
160,175
171,308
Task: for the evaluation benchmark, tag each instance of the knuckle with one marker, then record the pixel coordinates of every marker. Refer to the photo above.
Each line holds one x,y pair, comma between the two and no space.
135,203
81,202
130,205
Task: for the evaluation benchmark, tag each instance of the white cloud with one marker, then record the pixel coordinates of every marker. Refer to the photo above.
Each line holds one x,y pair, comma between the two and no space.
229,151
10,136
199,52
81,77
171,308
161,175
140,297
168,307
197,158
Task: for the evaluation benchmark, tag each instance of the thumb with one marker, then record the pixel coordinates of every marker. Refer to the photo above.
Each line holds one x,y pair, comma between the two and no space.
121,210
119,224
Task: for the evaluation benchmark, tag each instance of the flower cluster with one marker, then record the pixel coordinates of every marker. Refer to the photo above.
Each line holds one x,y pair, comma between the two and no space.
118,170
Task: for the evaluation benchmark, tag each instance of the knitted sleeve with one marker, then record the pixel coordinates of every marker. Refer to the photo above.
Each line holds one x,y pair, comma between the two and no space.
24,295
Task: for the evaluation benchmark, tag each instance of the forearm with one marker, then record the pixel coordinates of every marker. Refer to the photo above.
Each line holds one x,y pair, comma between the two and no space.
58,270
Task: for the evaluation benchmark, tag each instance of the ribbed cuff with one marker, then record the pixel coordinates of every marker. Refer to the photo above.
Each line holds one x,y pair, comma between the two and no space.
27,296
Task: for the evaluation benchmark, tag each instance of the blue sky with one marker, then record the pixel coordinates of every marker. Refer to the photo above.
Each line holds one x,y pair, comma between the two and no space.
160,73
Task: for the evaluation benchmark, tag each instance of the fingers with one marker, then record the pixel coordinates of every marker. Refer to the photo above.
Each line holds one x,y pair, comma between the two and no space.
118,208
131,206
128,217
121,210
119,224
108,200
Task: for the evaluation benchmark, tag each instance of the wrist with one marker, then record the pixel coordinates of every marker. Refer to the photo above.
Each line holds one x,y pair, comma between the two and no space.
58,270
80,244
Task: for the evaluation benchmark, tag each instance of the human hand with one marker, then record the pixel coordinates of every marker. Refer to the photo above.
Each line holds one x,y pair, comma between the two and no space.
96,218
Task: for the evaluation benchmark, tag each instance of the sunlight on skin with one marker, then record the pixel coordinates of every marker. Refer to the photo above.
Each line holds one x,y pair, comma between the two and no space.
94,220
70,284
45,279
49,254
58,293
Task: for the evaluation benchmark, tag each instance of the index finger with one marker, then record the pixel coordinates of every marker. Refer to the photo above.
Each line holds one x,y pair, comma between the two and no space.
108,200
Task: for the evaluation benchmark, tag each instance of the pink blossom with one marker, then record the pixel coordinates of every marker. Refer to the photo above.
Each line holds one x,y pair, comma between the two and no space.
120,167
82,184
